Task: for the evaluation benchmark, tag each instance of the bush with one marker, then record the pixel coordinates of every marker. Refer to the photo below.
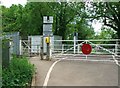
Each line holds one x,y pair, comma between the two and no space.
19,73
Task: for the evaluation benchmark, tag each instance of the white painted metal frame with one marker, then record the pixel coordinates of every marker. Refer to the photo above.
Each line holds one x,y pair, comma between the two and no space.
113,54
116,45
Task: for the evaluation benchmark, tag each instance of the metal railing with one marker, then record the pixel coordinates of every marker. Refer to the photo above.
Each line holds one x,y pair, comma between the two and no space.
102,50
27,49
98,46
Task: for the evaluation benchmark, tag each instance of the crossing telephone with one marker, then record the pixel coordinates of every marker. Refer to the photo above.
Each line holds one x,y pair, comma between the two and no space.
47,39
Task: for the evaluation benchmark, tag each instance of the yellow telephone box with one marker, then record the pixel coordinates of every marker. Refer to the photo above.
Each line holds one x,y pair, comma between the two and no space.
47,39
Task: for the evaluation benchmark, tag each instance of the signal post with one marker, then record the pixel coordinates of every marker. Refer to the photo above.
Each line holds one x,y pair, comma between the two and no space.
47,34
47,40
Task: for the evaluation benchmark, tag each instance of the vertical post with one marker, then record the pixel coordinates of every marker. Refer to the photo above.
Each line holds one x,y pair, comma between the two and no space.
47,40
47,32
74,44
29,48
78,48
41,53
48,52
62,48
50,46
86,55
20,45
116,47
37,49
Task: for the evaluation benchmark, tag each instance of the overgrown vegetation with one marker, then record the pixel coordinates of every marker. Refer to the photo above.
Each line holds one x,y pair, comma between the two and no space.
19,73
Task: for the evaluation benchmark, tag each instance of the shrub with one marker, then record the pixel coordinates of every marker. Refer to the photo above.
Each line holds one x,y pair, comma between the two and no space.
19,73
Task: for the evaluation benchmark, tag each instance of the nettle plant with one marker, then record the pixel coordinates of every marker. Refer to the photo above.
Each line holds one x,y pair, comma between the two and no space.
19,72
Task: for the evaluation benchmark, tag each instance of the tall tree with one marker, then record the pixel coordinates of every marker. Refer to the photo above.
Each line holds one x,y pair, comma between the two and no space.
65,16
64,13
28,20
108,13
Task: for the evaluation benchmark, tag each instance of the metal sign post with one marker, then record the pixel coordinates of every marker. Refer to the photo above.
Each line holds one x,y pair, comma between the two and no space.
48,53
75,38
47,33
41,53
47,40
74,44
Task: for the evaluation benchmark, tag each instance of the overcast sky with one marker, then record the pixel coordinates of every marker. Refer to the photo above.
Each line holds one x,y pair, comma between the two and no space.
8,3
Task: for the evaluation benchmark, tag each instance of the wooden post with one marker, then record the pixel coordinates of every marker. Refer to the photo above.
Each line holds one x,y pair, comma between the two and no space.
47,40
48,52
41,53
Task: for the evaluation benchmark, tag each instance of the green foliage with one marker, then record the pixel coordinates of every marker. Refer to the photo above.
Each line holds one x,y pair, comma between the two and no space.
28,20
106,34
108,13
19,73
84,31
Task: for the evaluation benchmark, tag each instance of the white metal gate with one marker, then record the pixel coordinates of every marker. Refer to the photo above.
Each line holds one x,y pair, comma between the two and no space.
102,50
29,50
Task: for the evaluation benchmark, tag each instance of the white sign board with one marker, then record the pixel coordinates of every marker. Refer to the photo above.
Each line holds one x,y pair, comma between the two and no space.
47,26
48,19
